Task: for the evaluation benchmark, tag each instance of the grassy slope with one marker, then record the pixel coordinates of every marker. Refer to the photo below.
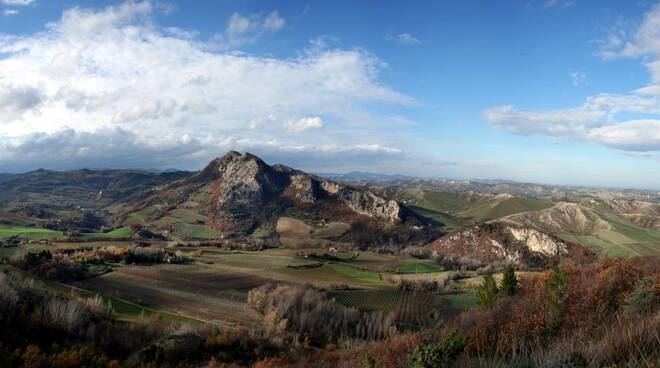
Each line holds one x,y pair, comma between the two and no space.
30,233
443,202
492,208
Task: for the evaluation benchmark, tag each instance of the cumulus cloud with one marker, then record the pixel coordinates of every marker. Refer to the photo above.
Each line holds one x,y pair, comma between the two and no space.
301,125
10,12
116,68
405,39
629,122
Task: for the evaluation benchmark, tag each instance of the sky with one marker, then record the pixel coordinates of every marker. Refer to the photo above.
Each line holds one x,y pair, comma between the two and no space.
546,91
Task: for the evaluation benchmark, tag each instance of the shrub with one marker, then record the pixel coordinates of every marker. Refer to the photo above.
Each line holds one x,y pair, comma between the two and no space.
644,298
439,354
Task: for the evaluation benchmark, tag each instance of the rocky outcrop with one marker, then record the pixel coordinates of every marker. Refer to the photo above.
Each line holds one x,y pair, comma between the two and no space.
369,204
494,242
243,183
538,242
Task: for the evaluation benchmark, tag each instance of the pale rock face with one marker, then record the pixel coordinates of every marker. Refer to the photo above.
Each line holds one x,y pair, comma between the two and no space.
303,188
507,255
330,187
243,183
369,204
538,242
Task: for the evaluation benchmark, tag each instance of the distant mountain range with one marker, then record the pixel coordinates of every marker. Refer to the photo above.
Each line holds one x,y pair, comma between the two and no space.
530,190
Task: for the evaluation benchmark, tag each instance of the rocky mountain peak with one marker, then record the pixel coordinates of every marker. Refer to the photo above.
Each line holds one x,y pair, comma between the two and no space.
238,192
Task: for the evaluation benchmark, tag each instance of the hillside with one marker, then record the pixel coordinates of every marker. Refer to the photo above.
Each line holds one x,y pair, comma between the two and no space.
240,195
73,199
597,226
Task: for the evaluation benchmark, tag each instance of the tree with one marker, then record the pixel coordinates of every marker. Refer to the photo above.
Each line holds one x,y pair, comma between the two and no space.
487,292
509,285
558,285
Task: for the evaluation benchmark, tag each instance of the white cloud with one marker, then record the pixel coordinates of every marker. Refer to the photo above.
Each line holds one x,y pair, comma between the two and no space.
547,4
17,2
405,39
578,78
115,68
634,135
243,29
301,125
10,12
273,22
628,122
259,122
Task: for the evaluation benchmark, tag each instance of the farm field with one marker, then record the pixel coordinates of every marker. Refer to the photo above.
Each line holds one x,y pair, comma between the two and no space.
419,268
188,290
213,286
123,309
409,308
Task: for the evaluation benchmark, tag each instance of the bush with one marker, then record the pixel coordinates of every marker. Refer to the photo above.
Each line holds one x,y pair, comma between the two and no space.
440,354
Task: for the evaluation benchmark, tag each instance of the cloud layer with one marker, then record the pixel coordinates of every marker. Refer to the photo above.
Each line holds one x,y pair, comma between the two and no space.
113,88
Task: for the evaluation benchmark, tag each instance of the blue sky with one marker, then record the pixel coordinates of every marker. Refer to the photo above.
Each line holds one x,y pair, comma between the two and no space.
542,91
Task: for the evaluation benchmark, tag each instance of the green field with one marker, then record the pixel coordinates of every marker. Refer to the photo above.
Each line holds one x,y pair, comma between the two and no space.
358,274
29,233
119,233
418,268
190,231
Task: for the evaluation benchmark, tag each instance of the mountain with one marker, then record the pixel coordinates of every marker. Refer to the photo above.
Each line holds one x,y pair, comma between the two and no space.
238,195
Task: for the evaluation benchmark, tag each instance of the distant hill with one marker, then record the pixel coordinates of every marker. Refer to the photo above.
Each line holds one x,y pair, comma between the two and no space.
365,177
45,197
528,190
